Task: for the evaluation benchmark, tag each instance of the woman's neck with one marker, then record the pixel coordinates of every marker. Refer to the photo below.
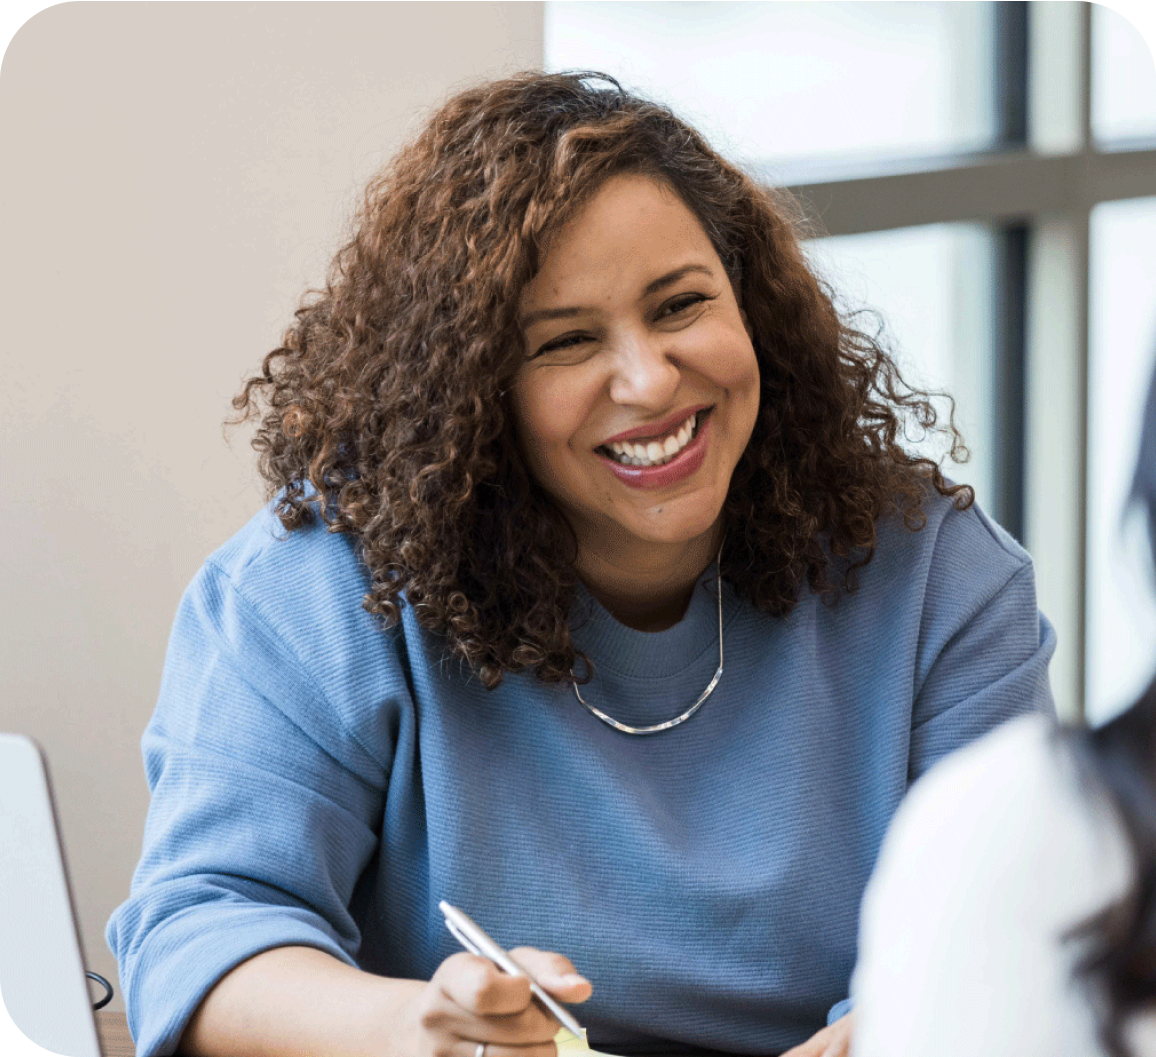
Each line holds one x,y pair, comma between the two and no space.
647,587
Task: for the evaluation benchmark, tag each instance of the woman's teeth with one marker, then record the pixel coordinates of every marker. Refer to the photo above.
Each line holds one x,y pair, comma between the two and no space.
655,453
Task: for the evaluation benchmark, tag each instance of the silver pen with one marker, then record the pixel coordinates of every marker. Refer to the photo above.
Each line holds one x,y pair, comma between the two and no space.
470,936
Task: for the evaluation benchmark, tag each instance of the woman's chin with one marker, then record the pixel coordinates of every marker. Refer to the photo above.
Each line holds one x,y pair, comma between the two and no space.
666,525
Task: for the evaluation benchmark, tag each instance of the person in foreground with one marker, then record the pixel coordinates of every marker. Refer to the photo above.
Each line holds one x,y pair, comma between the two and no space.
1014,906
596,596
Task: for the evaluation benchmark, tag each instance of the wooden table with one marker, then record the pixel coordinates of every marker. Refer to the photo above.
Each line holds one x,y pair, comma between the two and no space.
115,1040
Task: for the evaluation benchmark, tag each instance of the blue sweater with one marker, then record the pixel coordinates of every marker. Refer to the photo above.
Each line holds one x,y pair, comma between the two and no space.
319,781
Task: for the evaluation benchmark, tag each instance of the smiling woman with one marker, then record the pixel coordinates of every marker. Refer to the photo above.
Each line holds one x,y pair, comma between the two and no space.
390,402
572,410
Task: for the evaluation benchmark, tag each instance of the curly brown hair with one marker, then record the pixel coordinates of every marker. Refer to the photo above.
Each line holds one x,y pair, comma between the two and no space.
385,410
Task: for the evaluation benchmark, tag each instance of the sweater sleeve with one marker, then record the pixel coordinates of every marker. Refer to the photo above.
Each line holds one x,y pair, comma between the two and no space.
264,813
987,650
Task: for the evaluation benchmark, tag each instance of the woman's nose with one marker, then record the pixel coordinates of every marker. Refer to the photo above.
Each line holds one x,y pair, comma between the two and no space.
644,372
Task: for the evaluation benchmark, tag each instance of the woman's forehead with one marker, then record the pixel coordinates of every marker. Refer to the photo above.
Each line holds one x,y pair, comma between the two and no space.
633,230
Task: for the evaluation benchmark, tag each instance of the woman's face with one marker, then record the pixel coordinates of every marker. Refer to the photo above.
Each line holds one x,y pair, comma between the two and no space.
641,387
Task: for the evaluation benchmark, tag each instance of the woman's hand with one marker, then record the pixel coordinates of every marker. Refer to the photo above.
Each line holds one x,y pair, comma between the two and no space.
471,1001
833,1041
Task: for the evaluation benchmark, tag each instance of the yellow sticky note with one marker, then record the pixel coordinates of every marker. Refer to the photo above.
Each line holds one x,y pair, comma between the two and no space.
571,1045
568,1042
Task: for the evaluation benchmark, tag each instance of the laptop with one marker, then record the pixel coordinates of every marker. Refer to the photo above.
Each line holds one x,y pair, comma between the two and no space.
45,1006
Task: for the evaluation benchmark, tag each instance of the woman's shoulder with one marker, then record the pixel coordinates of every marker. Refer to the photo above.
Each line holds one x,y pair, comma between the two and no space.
942,572
991,858
303,586
264,548
1002,834
1012,790
1001,837
1019,755
953,538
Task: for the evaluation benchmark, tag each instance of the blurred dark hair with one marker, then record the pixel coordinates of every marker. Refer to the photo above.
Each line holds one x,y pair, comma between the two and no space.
383,411
1118,761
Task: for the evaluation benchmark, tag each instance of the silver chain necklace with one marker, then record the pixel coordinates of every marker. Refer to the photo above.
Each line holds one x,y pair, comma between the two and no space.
610,721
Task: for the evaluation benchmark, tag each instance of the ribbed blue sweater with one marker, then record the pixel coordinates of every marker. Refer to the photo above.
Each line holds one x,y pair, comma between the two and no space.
317,780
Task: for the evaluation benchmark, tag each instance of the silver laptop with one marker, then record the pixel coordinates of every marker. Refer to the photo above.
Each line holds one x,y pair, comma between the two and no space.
44,1001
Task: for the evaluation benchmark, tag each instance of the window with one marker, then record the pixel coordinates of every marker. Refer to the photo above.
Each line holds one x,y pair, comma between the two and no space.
775,82
1123,80
929,285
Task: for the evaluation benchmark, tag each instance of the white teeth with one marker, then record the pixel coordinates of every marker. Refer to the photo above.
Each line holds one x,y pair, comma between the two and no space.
654,453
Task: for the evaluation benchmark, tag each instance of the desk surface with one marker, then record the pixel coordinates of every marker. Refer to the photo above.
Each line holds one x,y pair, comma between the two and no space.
115,1040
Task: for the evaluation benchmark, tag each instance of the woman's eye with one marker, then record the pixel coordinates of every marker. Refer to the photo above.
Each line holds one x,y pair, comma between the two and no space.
567,341
681,303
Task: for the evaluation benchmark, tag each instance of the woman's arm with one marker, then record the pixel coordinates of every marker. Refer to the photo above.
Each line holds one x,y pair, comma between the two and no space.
264,809
300,1001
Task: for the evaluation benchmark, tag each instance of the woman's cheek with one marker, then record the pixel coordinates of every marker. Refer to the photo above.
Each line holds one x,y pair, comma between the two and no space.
567,407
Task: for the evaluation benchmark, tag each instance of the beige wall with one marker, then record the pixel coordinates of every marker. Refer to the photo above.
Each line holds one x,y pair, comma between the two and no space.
174,176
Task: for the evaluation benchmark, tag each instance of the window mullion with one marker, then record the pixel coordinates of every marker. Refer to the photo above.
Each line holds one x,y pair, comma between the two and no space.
1056,360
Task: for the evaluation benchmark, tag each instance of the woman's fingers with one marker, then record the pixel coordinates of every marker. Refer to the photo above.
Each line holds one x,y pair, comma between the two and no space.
469,1048
555,972
832,1041
471,1002
478,986
483,1003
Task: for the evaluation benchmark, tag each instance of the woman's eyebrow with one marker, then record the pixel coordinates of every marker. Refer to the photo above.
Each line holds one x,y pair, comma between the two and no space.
540,314
674,276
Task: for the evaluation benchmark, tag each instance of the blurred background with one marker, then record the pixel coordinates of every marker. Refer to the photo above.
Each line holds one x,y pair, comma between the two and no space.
982,175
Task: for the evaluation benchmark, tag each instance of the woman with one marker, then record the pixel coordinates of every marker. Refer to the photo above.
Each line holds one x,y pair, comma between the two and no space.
571,430
1032,929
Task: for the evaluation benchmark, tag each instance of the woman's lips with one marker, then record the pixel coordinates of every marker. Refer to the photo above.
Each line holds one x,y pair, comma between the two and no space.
685,463
658,429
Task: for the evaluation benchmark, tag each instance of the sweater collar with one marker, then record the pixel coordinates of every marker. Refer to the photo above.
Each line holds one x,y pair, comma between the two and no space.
614,647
